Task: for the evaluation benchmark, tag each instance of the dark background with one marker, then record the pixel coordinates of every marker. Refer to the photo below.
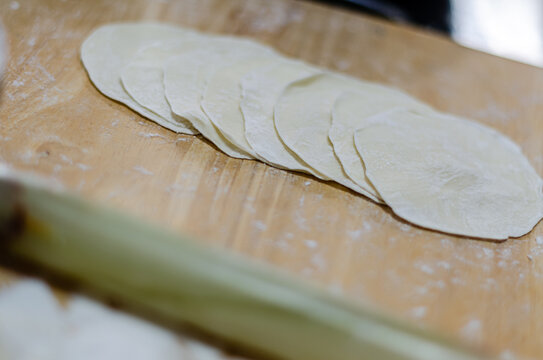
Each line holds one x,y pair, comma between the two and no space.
508,28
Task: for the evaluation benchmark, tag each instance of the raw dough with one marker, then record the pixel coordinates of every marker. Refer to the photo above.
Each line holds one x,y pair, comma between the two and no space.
111,47
451,174
303,118
435,170
221,99
143,77
349,113
185,79
261,89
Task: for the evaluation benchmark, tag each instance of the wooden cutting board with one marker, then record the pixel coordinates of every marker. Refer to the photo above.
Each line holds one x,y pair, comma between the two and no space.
55,123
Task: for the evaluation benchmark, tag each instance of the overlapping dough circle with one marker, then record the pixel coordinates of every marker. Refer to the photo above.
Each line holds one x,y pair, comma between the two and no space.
437,171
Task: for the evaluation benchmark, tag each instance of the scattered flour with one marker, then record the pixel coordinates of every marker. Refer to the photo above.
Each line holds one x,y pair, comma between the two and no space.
301,221
444,265
537,250
83,167
425,268
354,234
318,261
151,135
142,170
418,312
66,159
14,5
507,355
262,17
489,253
283,245
311,244
472,330
505,253
342,64
259,225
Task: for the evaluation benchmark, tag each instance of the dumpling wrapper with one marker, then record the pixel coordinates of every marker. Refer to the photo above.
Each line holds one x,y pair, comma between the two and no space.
221,99
185,80
111,47
450,174
303,116
350,112
143,77
260,90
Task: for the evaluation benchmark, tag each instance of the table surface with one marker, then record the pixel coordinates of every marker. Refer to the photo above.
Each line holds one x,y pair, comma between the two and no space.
54,122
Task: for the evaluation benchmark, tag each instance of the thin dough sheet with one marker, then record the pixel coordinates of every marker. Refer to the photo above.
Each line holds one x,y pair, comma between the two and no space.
143,78
303,116
261,89
221,99
185,80
350,112
450,174
111,47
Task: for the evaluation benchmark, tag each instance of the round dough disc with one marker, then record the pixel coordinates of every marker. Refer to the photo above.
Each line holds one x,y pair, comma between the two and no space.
260,90
450,174
350,111
185,80
303,115
111,47
221,99
143,77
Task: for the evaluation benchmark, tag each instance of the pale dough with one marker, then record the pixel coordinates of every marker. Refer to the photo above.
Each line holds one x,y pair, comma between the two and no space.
260,90
349,113
185,79
221,99
434,170
143,77
111,47
303,118
451,174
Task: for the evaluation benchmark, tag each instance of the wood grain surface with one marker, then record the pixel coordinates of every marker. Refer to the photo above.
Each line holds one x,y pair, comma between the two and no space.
54,122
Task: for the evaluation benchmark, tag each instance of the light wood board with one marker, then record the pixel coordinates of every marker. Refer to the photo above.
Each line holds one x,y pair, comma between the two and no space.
54,122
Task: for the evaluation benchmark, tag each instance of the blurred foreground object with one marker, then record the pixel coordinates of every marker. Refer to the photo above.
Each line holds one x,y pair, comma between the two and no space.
173,277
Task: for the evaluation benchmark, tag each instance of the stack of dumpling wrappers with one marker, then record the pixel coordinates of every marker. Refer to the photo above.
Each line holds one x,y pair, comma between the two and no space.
435,170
